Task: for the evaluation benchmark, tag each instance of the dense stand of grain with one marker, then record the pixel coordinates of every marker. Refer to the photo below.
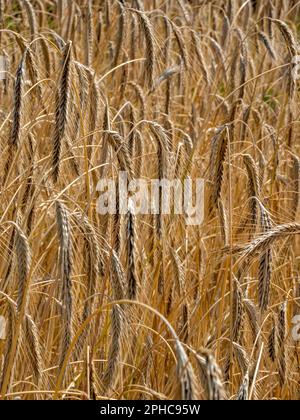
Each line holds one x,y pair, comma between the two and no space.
128,306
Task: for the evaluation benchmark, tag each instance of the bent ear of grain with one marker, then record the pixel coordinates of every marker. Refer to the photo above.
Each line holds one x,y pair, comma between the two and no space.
268,239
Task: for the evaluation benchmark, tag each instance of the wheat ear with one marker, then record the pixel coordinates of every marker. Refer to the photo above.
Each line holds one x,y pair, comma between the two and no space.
117,284
211,376
267,240
282,334
217,159
131,255
61,113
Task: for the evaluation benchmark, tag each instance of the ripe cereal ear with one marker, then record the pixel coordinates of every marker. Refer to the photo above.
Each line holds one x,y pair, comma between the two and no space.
120,278
2,328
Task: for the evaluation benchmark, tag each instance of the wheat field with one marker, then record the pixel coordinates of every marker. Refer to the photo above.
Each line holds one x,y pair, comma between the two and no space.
132,306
